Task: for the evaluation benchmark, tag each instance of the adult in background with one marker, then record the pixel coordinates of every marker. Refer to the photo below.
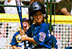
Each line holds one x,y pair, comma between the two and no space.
63,7
13,10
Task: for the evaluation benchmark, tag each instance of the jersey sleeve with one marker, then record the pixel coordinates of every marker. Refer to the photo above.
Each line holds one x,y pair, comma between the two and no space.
14,42
41,35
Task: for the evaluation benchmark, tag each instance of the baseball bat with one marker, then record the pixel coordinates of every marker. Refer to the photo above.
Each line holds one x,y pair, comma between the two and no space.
18,3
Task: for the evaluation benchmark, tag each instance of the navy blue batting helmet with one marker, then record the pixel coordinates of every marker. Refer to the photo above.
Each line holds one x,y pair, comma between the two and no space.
36,6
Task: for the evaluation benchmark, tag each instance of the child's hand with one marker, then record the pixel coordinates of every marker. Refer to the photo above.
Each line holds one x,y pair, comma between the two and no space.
18,47
22,32
24,37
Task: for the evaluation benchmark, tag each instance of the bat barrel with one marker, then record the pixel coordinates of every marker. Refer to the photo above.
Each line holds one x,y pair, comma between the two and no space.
20,15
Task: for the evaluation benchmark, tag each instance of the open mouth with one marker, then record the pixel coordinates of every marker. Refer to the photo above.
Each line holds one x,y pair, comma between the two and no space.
25,25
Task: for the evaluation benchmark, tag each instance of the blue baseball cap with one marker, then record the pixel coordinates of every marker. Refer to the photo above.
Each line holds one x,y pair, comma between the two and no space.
24,19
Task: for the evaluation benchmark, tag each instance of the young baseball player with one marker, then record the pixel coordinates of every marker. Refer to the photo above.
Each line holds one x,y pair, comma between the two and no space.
16,43
38,33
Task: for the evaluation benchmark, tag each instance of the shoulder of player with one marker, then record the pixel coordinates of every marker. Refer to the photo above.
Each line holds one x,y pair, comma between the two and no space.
44,25
16,33
32,26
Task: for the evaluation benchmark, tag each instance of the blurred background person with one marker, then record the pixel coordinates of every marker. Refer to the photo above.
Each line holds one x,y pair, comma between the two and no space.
13,10
63,7
31,1
53,2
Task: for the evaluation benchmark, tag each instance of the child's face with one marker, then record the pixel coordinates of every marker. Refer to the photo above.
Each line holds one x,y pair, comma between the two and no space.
25,25
38,17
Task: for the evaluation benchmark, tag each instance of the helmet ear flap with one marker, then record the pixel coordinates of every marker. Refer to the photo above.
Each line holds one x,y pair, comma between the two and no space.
45,16
31,18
